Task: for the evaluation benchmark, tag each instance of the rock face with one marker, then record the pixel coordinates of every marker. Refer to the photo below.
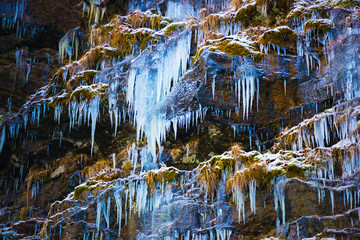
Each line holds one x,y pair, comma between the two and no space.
179,119
29,38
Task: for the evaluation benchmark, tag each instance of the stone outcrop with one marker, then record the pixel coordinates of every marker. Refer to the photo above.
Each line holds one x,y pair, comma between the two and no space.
118,117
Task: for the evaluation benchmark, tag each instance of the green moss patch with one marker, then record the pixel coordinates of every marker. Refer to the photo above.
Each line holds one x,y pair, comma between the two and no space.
232,46
178,26
161,176
83,78
294,170
245,13
318,25
279,35
88,92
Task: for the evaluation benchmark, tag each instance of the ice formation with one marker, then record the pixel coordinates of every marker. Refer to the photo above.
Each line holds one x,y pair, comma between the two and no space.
82,112
279,199
322,129
247,87
149,84
24,66
346,77
239,198
315,147
16,21
69,45
94,10
131,196
2,139
179,10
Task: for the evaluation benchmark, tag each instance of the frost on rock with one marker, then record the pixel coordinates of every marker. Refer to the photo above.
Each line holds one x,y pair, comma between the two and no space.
234,45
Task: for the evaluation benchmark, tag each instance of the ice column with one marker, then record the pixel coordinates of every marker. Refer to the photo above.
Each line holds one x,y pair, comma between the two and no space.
151,78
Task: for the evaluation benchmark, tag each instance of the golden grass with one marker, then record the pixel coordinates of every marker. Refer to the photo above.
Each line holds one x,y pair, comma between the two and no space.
236,151
209,178
241,178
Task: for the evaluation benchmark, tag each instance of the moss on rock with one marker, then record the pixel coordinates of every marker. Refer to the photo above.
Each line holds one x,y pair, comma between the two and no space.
164,175
88,92
318,25
246,12
233,47
178,26
82,78
279,35
294,170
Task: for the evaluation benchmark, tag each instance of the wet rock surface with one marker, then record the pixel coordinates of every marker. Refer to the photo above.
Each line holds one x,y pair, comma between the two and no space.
179,119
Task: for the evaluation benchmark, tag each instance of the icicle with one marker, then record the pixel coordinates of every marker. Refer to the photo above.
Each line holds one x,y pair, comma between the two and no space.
187,150
114,160
107,212
118,201
94,115
57,113
28,72
61,137
141,197
98,213
297,230
16,21
2,139
279,198
238,196
95,11
114,110
252,194
133,155
332,200
213,87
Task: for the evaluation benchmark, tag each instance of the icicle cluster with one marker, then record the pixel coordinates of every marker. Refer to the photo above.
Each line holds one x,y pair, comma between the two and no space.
247,87
151,78
69,45
131,196
17,20
322,129
24,66
83,112
94,10
179,10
